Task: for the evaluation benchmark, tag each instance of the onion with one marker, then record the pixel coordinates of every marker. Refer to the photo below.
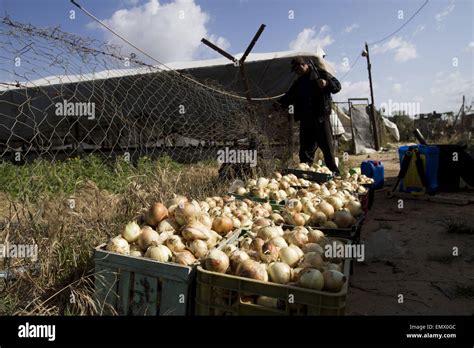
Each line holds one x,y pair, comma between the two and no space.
184,257
333,280
298,250
236,223
159,253
216,261
313,247
176,200
131,232
329,224
147,237
314,236
318,219
236,258
262,182
195,230
186,212
229,249
156,214
343,219
246,224
334,267
279,272
245,243
277,218
279,242
312,279
118,245
168,225
211,202
269,252
298,219
260,222
174,243
336,202
257,244
289,256
253,270
295,274
298,238
222,225
205,219
241,191
199,248
214,238
312,260
327,209
293,206
268,232
355,208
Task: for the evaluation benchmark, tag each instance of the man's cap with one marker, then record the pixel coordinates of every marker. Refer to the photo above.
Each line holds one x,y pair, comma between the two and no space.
297,61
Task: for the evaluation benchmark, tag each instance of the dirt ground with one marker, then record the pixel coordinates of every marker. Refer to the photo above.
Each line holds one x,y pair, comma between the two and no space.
409,252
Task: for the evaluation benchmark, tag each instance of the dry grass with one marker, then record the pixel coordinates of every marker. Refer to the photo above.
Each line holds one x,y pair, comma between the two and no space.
64,281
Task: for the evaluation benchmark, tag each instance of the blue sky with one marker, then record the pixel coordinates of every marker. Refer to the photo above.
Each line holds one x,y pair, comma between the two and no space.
429,62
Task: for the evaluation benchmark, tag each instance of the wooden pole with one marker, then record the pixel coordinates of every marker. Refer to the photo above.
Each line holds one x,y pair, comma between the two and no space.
373,120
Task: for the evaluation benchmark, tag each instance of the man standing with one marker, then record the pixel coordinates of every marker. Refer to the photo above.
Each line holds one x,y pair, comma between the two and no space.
310,96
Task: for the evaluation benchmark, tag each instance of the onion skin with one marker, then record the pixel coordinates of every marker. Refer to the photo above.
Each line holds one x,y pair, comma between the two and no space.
312,247
257,244
312,260
167,225
186,212
253,270
236,258
195,231
174,243
298,238
315,236
157,213
216,261
269,252
159,253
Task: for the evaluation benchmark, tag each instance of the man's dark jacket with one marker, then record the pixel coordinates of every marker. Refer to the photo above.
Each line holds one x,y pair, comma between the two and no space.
309,100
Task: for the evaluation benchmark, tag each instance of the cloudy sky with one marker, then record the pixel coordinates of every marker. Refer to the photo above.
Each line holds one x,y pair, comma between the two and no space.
429,61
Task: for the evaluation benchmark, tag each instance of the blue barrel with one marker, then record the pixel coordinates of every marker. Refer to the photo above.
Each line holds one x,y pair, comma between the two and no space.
373,169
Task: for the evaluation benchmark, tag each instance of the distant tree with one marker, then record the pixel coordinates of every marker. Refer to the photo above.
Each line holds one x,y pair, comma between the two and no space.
405,125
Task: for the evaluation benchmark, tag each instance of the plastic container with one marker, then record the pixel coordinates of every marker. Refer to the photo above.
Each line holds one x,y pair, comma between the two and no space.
430,157
375,170
224,294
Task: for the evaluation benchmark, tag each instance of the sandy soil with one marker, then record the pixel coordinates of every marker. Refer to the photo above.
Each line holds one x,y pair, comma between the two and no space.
409,251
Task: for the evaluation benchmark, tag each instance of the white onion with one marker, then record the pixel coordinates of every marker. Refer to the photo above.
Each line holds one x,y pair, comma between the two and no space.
147,237
245,243
293,206
279,242
327,209
176,200
236,258
205,219
229,249
289,256
298,250
312,279
222,225
131,232
279,272
298,238
195,230
174,243
268,232
118,245
269,252
313,247
355,208
216,261
199,248
159,253
186,212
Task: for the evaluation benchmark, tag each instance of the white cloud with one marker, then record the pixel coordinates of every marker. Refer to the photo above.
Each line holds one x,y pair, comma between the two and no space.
448,88
349,89
308,40
168,32
397,87
440,17
447,10
404,50
470,46
351,27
